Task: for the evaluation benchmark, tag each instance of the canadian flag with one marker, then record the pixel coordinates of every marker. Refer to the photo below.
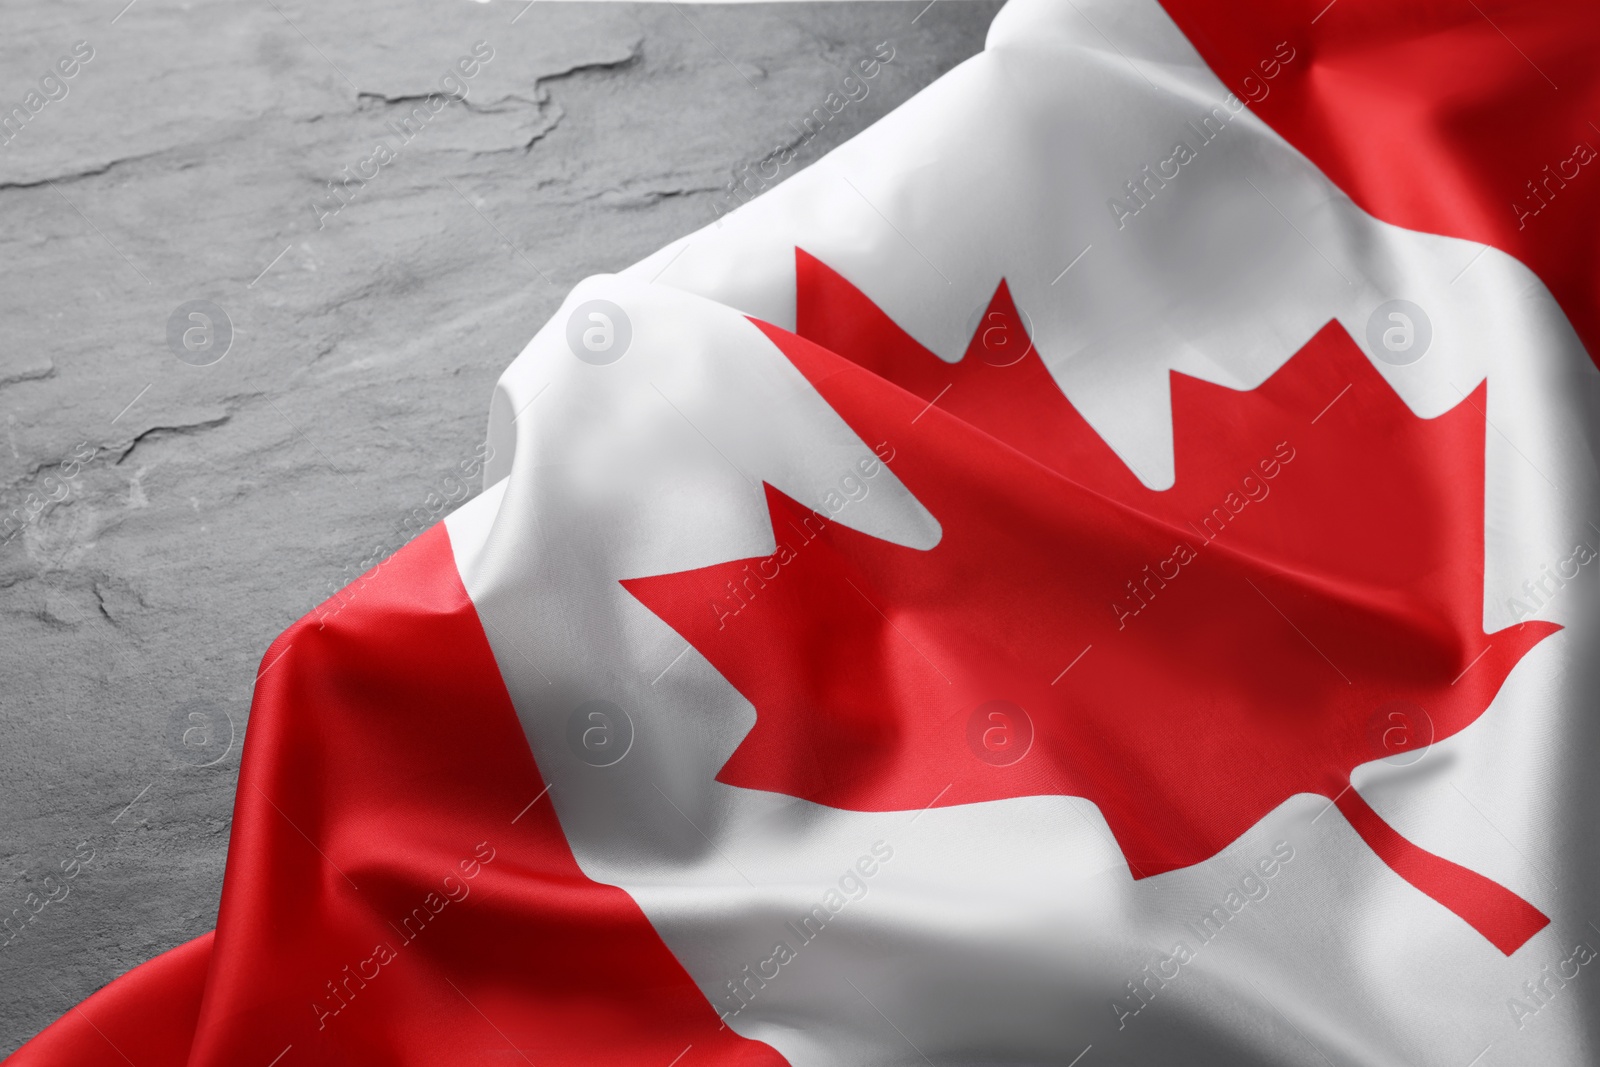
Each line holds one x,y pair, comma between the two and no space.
1100,569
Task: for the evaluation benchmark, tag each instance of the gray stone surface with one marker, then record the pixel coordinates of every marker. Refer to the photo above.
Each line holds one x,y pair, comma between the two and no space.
185,162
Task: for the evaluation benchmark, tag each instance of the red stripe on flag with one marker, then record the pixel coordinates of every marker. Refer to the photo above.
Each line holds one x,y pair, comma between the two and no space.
391,896
1472,120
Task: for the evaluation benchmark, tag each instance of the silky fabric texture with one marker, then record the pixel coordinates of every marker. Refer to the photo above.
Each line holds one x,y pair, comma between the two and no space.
1437,117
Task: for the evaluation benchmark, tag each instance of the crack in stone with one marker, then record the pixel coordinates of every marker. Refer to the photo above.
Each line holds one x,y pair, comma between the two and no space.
187,429
100,602
30,374
635,54
78,175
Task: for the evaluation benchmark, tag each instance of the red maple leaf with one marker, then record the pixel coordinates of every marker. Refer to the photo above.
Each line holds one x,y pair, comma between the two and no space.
1307,597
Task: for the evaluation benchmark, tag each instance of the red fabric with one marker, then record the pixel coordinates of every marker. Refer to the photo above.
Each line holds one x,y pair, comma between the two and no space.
1436,115
383,778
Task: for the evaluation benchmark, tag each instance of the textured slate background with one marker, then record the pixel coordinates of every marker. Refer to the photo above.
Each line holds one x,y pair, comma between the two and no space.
222,502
